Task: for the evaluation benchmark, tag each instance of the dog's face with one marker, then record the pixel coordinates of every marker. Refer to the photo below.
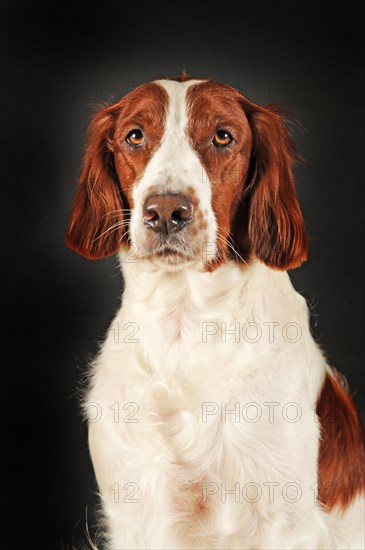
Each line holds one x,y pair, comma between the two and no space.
188,172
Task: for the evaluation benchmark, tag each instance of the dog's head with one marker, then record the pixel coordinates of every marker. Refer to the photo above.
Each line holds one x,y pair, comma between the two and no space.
188,171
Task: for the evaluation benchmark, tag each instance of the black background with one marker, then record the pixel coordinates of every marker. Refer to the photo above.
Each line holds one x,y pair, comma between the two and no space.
59,58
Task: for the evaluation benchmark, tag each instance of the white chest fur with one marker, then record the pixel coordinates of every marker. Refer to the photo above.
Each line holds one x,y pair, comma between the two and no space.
201,412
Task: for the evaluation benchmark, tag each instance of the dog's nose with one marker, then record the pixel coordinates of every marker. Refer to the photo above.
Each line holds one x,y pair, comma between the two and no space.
167,213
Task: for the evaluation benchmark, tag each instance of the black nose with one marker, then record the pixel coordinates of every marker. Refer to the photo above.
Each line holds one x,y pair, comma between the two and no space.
167,213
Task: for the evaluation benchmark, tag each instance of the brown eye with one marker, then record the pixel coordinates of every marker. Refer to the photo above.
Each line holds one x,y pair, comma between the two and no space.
222,138
135,137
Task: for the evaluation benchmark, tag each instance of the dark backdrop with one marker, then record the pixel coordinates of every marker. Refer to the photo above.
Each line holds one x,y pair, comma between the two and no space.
58,58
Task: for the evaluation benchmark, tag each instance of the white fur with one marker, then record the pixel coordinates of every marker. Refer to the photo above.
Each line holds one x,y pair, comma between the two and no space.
158,372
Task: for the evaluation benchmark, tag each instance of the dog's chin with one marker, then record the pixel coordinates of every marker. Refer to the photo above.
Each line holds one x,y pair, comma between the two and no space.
170,258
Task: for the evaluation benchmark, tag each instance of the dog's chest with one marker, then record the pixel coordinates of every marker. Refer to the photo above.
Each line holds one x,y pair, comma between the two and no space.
189,382
178,327
187,399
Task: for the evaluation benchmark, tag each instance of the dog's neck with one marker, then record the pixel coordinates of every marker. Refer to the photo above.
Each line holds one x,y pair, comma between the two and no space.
229,288
145,281
186,319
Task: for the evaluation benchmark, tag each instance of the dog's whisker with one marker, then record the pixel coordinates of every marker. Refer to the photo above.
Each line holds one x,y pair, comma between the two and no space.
119,211
112,229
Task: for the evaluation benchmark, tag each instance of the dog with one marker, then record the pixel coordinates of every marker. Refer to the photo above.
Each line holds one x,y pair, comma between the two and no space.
214,418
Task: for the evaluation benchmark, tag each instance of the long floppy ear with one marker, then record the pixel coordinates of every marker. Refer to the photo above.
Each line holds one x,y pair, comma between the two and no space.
275,225
96,222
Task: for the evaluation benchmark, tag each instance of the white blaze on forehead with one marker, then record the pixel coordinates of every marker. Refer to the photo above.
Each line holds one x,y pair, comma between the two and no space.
175,166
177,116
175,156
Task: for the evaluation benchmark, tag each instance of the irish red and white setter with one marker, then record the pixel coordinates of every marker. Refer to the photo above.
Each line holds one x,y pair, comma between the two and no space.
214,419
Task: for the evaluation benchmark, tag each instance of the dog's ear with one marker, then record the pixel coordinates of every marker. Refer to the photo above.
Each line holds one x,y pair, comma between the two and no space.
96,223
275,224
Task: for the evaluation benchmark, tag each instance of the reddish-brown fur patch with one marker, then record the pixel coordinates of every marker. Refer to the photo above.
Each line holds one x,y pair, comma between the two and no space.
211,108
254,198
103,198
341,454
191,503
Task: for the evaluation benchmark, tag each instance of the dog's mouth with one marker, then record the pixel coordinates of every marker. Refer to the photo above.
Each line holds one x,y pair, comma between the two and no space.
173,249
171,255
170,250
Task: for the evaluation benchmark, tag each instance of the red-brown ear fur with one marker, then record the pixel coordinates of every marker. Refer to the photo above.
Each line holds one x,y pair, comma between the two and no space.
97,206
275,226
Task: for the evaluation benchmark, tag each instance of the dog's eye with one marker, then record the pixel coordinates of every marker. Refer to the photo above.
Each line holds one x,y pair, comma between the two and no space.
222,138
135,137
